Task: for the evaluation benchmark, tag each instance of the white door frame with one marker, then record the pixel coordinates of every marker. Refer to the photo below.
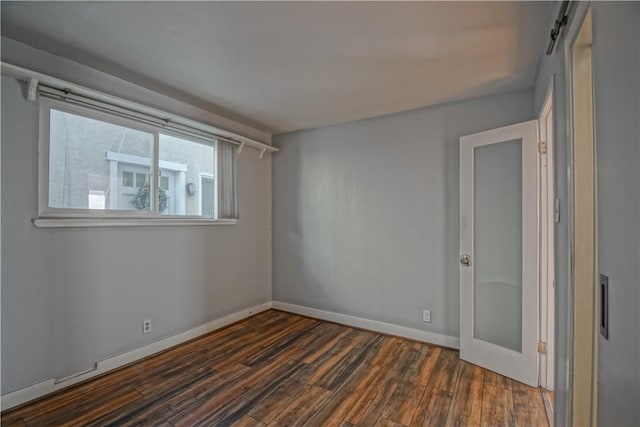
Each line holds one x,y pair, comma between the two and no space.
521,366
546,225
582,334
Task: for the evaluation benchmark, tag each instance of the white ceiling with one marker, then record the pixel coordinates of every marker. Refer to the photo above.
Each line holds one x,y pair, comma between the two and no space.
285,66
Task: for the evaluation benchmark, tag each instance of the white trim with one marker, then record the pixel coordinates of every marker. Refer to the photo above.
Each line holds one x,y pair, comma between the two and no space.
576,396
565,412
371,325
62,222
40,389
546,250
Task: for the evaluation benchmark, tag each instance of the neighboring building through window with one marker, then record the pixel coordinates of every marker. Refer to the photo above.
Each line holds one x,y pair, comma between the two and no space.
102,163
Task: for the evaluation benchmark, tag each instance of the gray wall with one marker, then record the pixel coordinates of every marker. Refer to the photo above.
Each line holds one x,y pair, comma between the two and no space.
366,213
71,297
616,71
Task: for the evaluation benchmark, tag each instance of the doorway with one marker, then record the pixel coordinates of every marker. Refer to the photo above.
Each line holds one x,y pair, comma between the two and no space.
499,250
584,352
507,213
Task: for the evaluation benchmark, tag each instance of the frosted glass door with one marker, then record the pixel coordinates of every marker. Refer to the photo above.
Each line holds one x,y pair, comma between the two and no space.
498,249
497,244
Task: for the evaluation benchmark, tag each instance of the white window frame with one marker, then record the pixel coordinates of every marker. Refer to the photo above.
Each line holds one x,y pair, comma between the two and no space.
68,217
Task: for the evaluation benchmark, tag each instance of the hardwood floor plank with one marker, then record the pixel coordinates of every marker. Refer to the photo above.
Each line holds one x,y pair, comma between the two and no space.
237,408
328,360
286,342
528,405
344,368
446,378
337,406
405,400
318,337
248,334
273,404
81,415
433,408
385,422
131,413
14,422
369,407
298,412
326,348
497,401
76,395
420,372
256,346
466,408
164,407
248,421
403,403
389,346
208,406
281,369
171,377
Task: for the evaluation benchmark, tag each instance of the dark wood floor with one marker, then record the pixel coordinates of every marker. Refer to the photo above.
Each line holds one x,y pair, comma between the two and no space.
279,369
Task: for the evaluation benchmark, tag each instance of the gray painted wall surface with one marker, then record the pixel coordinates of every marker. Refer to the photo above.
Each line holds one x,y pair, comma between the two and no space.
71,297
616,74
366,213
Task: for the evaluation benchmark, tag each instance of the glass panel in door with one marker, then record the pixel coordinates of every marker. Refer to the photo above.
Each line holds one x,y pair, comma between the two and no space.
497,244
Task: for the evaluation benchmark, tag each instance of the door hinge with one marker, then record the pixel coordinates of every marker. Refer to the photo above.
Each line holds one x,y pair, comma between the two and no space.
542,147
542,347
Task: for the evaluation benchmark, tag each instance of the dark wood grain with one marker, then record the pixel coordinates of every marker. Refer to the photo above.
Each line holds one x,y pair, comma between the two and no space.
281,369
466,408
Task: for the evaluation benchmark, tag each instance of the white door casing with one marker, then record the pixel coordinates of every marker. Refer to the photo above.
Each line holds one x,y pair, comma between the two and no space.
509,346
546,249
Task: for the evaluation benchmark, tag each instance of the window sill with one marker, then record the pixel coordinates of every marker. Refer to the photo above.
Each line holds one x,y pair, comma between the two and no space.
57,222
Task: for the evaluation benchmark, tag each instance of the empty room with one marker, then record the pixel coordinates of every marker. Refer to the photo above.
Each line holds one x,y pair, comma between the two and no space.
372,214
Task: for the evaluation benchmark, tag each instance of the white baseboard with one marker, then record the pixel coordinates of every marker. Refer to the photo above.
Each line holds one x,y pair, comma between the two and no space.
43,388
40,389
372,325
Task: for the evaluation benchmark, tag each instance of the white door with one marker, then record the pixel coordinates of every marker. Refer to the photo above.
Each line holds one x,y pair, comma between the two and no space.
498,250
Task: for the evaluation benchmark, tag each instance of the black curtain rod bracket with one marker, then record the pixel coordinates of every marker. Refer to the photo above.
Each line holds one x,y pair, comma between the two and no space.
560,22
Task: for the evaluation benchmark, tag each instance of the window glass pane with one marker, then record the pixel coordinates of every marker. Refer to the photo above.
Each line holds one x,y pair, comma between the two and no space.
182,164
164,183
141,179
208,200
127,179
93,164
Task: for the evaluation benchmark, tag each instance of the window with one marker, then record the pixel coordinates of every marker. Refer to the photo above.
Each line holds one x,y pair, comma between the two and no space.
102,165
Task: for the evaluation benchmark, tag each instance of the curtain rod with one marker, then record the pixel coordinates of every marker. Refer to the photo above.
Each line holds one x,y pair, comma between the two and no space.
561,20
38,82
69,97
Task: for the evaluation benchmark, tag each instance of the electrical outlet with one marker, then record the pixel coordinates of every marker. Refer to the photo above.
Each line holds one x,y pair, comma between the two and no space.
426,316
146,326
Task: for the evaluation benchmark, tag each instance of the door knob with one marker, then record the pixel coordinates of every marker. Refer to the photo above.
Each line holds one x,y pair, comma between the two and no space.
465,260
